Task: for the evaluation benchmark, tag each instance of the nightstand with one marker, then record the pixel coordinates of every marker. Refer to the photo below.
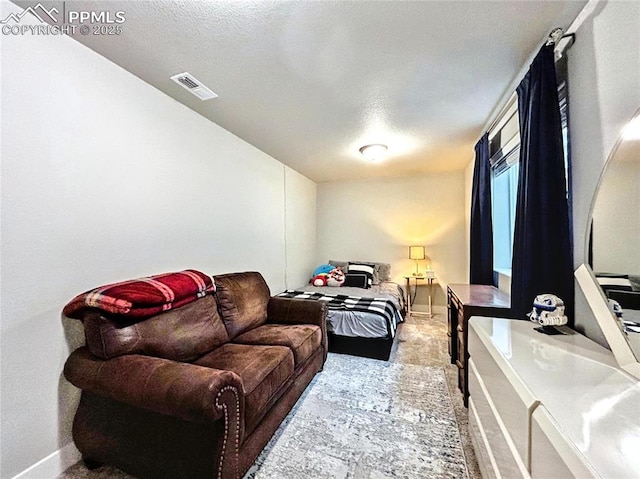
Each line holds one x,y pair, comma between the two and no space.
411,298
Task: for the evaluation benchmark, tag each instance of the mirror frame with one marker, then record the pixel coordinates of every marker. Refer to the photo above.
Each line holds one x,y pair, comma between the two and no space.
608,323
596,298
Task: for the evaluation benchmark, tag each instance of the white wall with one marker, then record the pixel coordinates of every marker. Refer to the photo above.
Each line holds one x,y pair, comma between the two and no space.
300,226
105,178
377,220
604,88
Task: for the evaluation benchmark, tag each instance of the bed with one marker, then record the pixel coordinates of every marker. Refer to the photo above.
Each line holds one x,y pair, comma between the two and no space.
360,321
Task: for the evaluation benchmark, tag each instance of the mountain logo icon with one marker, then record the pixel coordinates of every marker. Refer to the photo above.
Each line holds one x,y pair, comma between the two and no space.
34,11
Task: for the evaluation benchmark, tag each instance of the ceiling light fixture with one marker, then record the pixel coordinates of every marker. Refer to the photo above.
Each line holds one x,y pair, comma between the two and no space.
373,152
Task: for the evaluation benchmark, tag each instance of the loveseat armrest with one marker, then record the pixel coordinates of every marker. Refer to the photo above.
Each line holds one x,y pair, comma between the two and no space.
299,311
186,391
296,311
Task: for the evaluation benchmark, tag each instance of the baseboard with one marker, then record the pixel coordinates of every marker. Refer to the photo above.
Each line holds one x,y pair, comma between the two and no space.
53,465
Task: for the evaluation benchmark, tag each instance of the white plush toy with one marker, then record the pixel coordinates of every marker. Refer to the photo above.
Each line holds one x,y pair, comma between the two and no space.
548,310
336,277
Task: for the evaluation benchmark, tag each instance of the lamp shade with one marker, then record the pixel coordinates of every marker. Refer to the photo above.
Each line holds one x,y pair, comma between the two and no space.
416,252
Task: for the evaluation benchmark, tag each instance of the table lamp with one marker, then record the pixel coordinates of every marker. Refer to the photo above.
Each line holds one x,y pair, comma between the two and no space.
416,253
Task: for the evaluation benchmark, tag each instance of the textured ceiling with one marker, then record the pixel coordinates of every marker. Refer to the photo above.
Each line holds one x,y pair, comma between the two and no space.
309,82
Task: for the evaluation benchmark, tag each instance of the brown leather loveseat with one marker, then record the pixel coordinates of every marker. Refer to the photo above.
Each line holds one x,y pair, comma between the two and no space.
197,391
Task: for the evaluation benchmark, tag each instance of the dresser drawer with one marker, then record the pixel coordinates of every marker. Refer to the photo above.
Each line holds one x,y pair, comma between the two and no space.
462,347
498,450
481,445
552,456
461,322
511,399
453,318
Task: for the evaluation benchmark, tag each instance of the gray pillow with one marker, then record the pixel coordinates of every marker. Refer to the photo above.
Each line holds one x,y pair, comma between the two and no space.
343,264
381,271
384,272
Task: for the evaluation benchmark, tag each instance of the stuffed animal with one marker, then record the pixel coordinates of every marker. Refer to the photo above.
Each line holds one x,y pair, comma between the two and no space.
320,279
336,277
321,275
322,269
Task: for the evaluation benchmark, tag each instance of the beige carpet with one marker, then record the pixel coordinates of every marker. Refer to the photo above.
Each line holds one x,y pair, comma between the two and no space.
420,349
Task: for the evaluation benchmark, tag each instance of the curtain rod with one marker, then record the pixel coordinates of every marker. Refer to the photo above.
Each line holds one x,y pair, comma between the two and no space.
555,37
560,48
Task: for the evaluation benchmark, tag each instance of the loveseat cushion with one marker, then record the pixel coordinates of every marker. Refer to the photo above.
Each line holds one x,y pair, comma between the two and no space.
182,334
242,301
302,339
264,371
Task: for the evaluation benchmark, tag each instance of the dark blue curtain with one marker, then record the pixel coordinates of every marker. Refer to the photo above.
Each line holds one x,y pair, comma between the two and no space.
542,248
481,254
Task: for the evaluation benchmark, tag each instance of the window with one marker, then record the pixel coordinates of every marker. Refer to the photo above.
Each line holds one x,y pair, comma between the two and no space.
562,77
504,191
504,151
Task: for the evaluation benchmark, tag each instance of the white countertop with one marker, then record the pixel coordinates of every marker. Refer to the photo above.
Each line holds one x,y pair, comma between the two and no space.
596,405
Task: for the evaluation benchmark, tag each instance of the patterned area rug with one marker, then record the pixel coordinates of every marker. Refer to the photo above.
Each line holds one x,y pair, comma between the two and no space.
363,418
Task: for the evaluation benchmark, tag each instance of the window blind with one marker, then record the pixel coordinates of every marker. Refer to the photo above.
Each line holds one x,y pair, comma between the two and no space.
504,140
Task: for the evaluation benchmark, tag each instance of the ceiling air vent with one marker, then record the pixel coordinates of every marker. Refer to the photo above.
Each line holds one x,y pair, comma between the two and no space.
189,82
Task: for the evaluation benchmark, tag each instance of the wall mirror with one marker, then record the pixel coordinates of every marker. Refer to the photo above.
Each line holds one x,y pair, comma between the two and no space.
612,270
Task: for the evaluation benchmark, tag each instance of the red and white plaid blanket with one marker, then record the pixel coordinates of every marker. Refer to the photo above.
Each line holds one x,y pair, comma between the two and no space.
144,297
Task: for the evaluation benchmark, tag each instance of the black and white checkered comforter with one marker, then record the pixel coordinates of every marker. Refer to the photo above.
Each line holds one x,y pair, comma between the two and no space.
382,307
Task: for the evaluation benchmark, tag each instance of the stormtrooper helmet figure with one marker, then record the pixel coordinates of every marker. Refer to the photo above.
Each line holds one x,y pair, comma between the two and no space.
615,308
548,310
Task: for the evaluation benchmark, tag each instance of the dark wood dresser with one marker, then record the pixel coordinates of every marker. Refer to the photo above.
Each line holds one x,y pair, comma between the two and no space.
464,301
